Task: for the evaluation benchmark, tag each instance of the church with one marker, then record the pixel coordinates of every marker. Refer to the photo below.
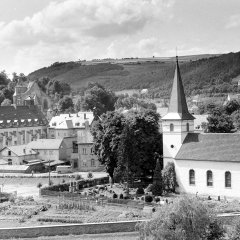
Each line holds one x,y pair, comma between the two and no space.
205,163
31,94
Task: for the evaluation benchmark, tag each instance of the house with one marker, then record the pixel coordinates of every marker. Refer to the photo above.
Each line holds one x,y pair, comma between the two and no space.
18,155
31,94
50,149
21,124
67,125
20,159
205,163
85,159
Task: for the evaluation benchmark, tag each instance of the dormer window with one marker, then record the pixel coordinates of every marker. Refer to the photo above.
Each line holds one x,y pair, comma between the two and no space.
171,127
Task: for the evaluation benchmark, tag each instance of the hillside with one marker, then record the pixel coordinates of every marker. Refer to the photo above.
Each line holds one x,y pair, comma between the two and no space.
208,74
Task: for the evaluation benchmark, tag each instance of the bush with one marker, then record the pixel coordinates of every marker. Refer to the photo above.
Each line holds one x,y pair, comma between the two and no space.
187,218
78,177
115,195
140,191
90,175
63,181
157,199
169,178
39,185
121,196
148,198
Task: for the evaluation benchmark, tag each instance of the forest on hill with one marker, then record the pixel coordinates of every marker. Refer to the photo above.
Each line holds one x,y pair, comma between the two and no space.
214,75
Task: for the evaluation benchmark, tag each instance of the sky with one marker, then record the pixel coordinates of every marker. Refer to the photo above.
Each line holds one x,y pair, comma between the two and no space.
37,33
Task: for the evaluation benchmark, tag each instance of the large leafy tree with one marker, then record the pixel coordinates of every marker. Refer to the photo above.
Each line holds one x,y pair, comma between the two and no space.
127,144
98,99
107,133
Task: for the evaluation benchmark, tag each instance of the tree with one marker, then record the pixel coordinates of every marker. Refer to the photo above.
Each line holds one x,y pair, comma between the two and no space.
106,137
127,144
132,102
98,99
231,106
6,102
186,219
169,177
157,186
236,119
65,103
219,122
4,80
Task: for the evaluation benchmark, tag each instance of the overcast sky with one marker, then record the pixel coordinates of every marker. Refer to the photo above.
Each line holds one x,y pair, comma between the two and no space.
36,33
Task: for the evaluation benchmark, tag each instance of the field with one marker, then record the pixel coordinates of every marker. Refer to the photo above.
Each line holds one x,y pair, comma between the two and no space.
27,186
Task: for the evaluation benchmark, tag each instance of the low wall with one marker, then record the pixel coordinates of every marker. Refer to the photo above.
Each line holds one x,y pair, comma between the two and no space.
67,229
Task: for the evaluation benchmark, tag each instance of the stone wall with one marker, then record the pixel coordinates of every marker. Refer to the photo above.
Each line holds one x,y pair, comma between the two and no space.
67,229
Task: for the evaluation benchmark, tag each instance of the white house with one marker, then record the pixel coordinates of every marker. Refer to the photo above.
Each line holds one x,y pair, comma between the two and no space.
206,163
49,149
67,125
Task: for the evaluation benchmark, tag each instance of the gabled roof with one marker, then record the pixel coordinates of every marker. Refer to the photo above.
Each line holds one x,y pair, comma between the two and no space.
222,147
43,144
178,106
20,150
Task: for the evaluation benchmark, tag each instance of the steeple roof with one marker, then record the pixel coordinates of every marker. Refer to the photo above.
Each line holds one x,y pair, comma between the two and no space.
178,106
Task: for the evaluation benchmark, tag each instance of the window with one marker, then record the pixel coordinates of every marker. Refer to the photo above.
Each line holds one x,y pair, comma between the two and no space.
9,153
209,178
75,147
228,180
9,161
191,177
171,127
92,163
84,151
187,126
91,151
75,164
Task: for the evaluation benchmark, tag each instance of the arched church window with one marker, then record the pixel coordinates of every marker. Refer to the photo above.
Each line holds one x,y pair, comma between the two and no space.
187,126
171,127
209,178
191,177
228,180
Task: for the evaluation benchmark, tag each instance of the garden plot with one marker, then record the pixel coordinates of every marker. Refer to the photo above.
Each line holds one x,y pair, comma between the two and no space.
29,212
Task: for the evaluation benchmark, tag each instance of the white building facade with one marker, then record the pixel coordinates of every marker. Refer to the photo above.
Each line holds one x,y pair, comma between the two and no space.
205,163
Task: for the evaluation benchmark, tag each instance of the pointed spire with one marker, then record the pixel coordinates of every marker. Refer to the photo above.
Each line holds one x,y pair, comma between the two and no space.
178,106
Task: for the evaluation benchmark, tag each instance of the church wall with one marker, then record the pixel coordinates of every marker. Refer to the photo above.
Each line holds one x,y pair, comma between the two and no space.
201,167
172,140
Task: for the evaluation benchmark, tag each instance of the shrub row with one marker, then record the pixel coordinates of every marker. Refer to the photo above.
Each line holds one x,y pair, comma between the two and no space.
37,176
81,183
61,220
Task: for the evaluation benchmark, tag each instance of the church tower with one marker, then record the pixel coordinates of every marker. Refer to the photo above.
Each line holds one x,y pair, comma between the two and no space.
178,122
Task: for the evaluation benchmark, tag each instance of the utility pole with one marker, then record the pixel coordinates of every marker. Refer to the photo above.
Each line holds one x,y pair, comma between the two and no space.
49,180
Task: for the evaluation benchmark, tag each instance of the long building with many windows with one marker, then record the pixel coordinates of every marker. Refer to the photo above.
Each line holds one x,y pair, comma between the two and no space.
21,125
